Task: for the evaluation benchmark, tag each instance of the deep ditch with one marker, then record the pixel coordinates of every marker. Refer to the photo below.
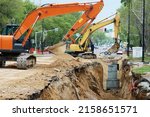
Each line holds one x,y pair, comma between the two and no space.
66,79
80,83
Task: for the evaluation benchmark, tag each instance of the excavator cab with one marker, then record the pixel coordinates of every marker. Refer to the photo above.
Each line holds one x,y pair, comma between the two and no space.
9,29
14,55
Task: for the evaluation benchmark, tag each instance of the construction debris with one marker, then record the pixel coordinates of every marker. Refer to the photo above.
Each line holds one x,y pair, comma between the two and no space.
140,87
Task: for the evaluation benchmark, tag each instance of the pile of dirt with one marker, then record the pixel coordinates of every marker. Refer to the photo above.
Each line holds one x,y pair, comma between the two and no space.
57,49
64,78
125,91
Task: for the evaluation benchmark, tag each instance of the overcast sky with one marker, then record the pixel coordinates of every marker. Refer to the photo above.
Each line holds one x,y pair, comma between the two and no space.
110,6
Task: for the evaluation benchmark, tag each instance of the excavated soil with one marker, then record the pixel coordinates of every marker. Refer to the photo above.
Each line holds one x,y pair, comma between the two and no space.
83,81
63,78
57,49
60,77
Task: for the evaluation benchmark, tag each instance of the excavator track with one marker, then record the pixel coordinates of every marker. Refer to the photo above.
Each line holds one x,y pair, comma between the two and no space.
2,62
87,55
25,61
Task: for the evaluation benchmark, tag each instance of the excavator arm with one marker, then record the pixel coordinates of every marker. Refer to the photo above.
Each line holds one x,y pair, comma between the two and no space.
116,27
86,18
100,24
82,45
91,11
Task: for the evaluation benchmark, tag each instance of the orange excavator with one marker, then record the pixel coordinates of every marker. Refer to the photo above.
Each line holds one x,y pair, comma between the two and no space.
14,46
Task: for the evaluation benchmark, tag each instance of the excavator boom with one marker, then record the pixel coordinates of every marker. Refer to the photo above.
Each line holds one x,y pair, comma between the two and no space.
91,11
101,24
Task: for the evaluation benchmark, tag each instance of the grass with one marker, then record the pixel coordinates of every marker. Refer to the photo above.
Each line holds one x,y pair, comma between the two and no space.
142,70
146,59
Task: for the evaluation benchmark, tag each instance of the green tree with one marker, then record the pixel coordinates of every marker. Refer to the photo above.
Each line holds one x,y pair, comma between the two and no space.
136,23
10,11
63,23
14,11
100,38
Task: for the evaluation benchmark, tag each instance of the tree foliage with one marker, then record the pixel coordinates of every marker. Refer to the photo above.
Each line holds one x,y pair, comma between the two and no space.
14,11
125,2
100,38
10,11
136,33
63,23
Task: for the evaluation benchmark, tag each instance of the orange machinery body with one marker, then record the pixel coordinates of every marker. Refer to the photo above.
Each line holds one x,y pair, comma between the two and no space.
6,42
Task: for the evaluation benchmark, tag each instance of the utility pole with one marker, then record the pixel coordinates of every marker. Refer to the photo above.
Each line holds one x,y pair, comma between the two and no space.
128,38
41,41
143,45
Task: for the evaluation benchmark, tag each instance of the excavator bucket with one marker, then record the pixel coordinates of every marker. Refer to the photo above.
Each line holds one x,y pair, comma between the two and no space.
113,49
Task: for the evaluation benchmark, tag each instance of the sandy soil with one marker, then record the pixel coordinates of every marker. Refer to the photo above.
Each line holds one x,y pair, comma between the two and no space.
12,73
12,79
57,49
54,77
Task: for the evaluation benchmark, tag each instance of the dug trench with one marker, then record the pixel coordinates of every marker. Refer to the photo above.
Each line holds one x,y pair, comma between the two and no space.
81,82
79,79
67,78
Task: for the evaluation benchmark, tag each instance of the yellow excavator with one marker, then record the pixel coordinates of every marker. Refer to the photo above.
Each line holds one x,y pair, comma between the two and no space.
81,48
